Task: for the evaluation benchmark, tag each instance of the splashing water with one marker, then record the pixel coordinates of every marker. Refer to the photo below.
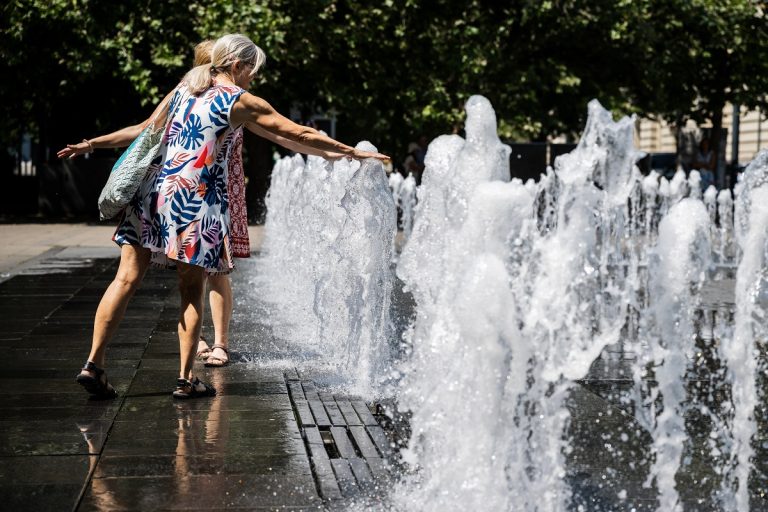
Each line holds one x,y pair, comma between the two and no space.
429,232
521,289
404,195
326,264
741,351
396,184
725,251
352,298
449,318
408,203
304,211
492,255
678,268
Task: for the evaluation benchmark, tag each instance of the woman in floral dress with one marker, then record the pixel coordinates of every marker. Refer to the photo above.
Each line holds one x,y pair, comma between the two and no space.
180,214
220,296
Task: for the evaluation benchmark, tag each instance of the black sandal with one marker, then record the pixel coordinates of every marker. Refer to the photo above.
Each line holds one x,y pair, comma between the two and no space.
192,389
95,385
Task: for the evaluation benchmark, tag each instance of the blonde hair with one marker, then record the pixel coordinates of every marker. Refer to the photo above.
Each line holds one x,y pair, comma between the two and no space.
203,52
225,52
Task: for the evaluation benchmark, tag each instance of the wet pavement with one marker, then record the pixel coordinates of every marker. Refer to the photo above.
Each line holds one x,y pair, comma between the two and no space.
275,438
269,441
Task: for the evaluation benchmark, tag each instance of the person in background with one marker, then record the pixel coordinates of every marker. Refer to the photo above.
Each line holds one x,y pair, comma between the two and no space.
704,162
421,152
411,163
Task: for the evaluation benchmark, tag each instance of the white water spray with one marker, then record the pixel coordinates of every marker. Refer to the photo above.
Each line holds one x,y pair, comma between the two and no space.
404,195
593,245
740,353
326,263
677,271
519,290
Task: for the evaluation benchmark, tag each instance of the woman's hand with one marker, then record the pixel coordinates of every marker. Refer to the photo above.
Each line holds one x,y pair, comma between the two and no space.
362,155
72,150
119,139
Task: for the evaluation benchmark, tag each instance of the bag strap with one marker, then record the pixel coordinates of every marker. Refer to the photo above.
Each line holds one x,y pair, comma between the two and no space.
163,109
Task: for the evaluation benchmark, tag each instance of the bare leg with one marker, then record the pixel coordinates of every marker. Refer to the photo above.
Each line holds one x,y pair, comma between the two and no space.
134,262
191,282
220,299
203,350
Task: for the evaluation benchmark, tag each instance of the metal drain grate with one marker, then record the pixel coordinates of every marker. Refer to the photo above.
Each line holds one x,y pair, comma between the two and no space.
348,448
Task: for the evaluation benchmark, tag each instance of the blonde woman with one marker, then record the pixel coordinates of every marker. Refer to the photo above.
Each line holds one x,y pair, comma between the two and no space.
180,214
220,296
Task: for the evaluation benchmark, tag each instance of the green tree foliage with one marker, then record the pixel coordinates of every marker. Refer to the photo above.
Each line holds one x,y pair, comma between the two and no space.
75,67
35,75
392,69
702,55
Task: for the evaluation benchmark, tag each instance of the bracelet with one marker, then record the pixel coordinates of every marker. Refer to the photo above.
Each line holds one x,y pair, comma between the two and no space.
89,145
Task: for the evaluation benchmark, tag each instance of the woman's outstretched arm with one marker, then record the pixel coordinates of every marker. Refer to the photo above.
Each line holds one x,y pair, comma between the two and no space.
254,110
289,144
117,139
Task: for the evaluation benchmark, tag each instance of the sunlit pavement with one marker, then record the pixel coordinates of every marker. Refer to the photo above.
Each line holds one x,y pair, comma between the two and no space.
268,441
23,243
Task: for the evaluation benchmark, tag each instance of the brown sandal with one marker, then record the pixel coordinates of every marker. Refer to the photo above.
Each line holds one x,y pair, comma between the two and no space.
202,354
217,362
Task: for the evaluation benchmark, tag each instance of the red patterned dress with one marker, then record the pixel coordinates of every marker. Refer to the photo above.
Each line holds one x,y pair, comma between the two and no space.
238,214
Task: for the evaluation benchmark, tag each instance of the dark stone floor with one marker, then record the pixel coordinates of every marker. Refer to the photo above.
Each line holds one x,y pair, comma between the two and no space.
268,441
273,439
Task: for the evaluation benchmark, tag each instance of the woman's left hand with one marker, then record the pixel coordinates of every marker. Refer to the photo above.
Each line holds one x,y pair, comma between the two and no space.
72,150
362,155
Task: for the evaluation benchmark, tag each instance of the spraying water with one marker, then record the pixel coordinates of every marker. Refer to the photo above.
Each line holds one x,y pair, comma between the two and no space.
326,264
452,333
522,290
352,297
404,196
741,352
678,269
725,251
544,274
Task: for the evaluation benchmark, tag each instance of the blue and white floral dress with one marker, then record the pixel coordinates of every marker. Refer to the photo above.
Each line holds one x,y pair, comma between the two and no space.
181,210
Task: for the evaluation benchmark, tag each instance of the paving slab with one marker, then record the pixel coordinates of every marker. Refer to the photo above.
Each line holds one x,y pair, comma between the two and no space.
111,466
182,491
